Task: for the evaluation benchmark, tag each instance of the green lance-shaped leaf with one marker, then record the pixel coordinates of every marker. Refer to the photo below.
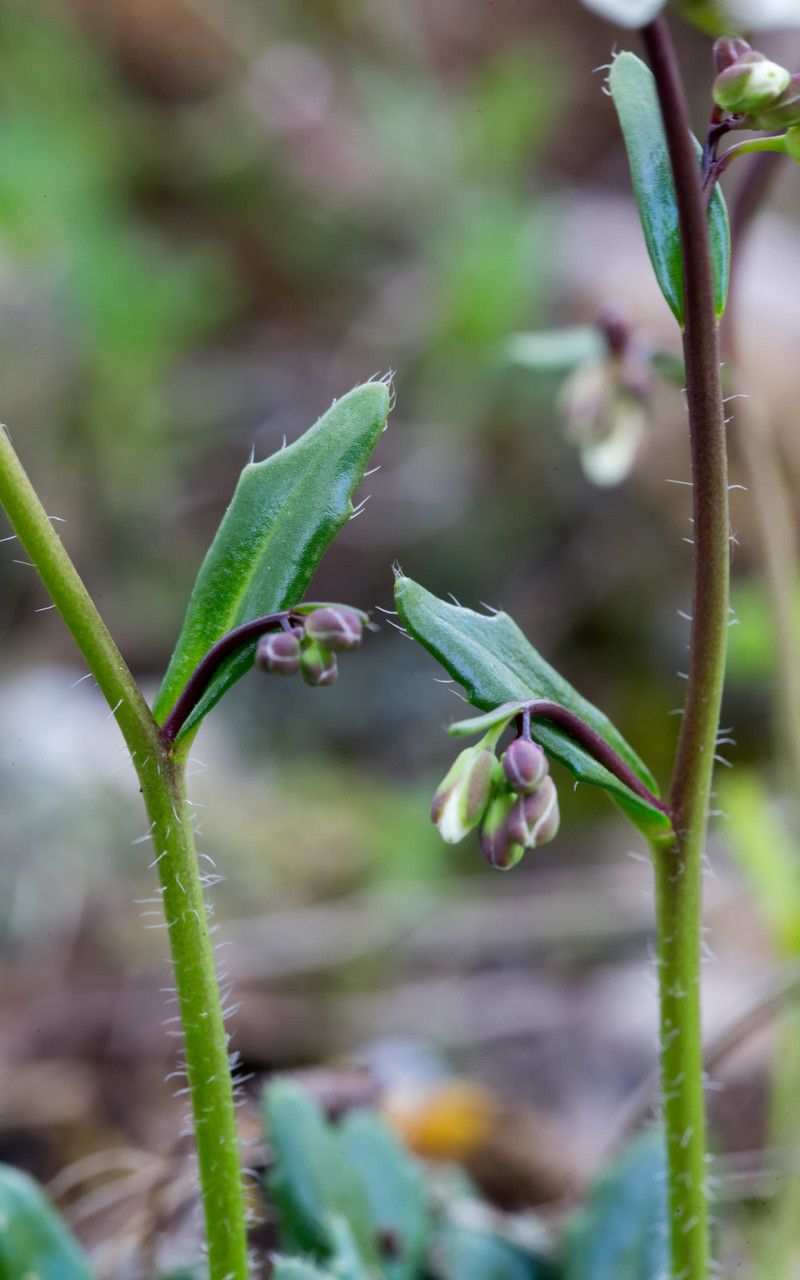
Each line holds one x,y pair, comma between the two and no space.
496,664
283,516
394,1186
34,1242
313,1181
633,90
620,1233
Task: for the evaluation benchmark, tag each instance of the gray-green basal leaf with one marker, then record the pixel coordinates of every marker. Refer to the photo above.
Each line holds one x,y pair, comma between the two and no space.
283,516
620,1233
633,90
492,659
34,1241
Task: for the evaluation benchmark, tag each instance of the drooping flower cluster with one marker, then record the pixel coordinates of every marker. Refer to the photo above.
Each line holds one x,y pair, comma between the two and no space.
309,644
761,93
513,800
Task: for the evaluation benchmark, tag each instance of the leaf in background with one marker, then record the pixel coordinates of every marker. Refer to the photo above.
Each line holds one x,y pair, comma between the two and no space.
492,659
346,1261
620,1233
34,1242
312,1181
633,90
759,840
626,13
393,1183
468,1250
724,17
297,1269
283,516
557,350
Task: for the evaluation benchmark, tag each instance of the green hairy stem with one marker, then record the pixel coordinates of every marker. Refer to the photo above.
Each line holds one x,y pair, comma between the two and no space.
679,863
162,781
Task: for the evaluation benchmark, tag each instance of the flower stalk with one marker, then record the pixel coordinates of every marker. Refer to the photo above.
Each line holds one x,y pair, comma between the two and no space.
679,864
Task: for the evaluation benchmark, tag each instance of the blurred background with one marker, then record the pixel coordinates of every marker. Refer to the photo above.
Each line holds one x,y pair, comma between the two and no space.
215,217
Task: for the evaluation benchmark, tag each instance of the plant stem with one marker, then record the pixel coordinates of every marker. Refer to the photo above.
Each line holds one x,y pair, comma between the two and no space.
205,1039
678,867
163,788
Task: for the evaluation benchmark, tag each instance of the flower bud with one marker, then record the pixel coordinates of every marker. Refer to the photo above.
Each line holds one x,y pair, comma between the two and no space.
750,84
727,50
534,819
336,627
497,846
278,653
461,798
525,765
784,112
317,666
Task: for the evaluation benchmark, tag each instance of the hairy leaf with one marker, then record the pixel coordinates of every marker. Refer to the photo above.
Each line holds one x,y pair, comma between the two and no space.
33,1239
283,516
620,1233
633,90
496,664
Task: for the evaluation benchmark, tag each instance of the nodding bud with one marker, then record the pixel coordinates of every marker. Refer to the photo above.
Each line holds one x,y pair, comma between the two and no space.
784,112
336,627
317,666
727,50
534,819
498,847
525,765
278,653
461,798
751,83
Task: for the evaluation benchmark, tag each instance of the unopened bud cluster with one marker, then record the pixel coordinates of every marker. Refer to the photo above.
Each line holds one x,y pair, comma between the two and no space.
513,800
309,645
763,93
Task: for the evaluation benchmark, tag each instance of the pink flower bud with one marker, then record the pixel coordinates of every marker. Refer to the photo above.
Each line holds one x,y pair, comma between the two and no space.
534,819
525,765
278,653
336,627
497,846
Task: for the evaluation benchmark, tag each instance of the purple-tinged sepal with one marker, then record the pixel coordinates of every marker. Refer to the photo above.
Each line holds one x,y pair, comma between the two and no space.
278,653
498,847
534,819
524,765
336,627
462,796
